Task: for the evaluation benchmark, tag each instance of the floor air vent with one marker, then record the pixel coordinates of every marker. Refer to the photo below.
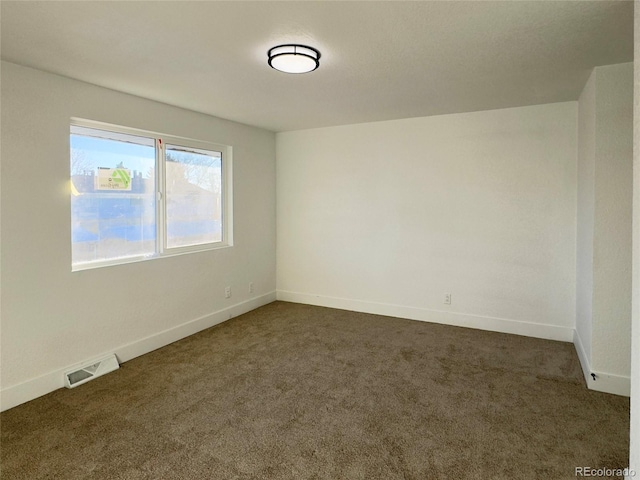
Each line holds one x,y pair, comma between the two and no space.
88,372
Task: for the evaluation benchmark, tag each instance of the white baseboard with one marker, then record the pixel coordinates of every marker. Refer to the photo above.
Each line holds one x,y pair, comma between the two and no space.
36,387
603,382
502,325
582,356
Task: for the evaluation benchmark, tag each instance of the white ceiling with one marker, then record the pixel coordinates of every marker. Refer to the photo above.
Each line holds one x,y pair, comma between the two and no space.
380,60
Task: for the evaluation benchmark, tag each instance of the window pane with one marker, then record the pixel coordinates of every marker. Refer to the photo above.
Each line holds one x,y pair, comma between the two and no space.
193,196
113,204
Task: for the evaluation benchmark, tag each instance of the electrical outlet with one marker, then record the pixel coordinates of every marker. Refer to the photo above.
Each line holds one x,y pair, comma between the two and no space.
447,299
227,292
250,287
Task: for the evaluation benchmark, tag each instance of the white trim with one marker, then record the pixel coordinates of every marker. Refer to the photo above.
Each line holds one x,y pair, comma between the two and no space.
151,134
610,383
161,199
86,266
36,387
227,196
582,356
604,382
503,325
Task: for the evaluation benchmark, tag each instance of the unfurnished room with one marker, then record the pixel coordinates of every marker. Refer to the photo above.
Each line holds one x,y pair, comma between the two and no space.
319,240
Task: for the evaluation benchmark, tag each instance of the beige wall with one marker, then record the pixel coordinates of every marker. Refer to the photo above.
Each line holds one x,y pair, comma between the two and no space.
605,191
634,460
612,233
53,318
387,217
585,217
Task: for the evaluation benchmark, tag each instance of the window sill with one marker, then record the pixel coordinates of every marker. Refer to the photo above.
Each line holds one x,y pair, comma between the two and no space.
143,258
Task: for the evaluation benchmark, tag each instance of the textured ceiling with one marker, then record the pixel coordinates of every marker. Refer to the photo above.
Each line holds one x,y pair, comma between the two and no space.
380,60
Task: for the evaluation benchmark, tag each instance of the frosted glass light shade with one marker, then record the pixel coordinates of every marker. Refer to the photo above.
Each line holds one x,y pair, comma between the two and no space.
294,58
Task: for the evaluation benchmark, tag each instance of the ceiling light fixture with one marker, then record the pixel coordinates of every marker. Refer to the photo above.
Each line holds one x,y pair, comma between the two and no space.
292,58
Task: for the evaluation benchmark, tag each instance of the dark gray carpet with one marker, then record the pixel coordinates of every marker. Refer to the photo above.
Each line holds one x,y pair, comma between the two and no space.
299,392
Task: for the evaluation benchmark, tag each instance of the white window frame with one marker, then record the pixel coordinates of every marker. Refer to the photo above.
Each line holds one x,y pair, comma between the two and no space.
161,139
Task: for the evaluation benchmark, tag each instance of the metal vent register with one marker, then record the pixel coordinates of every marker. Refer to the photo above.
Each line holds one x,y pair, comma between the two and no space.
90,371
